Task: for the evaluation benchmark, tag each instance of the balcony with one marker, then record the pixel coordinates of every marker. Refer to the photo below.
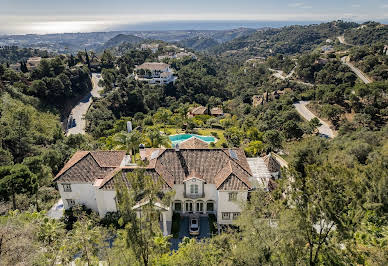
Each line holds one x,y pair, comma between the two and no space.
194,196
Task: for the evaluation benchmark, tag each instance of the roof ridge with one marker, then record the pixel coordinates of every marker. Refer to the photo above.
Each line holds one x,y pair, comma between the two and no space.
110,176
236,161
246,182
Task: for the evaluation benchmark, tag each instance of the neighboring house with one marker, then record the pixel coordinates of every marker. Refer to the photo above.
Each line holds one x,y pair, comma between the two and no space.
154,73
267,97
154,47
178,56
204,180
182,55
202,110
16,67
33,62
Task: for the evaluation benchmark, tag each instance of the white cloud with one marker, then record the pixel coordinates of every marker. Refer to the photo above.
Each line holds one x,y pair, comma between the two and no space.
300,5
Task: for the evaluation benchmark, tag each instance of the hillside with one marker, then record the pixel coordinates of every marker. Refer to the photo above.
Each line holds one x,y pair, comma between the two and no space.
287,40
120,39
367,34
199,43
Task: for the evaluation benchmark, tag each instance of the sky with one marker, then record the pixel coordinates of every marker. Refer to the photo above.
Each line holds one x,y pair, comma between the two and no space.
57,16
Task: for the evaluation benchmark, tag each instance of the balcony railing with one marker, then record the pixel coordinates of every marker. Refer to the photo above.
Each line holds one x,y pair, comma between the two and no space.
194,196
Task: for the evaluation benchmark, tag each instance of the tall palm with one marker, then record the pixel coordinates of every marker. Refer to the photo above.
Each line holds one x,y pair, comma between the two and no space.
156,139
127,141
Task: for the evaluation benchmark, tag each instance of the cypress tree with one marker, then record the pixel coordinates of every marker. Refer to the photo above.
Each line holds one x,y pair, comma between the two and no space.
87,59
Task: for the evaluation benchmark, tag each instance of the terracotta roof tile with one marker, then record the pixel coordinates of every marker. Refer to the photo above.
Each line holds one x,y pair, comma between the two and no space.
73,160
214,166
194,143
108,158
200,110
271,163
85,170
216,111
153,66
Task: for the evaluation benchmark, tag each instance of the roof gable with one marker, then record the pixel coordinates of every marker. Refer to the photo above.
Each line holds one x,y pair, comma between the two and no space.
232,182
194,143
85,170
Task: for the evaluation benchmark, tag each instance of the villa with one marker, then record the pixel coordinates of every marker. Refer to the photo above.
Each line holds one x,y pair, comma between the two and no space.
154,73
202,110
205,180
33,62
154,47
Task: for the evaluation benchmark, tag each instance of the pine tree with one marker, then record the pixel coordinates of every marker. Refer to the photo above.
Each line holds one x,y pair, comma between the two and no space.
87,59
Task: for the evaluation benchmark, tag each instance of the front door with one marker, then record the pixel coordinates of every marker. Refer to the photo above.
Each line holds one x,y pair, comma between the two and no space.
189,206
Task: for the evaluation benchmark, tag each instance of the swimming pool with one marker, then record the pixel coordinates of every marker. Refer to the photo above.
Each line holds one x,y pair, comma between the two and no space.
176,139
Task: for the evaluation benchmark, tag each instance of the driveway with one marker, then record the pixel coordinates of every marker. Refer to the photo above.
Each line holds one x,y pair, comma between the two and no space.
77,126
204,231
56,211
324,129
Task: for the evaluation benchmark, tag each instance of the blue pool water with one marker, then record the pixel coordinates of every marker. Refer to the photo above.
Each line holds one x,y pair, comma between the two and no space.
176,139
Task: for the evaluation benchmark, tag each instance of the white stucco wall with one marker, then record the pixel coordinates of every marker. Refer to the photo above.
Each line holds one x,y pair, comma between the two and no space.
210,194
83,194
105,201
224,205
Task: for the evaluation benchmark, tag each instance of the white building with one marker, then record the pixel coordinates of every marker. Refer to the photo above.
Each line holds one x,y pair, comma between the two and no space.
204,180
154,47
154,73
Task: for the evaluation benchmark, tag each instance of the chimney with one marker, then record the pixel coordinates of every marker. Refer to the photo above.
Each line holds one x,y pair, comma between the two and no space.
129,126
177,147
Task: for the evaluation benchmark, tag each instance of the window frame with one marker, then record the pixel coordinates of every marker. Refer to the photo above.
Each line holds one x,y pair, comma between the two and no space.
232,196
194,189
225,215
180,203
207,206
66,187
70,202
235,215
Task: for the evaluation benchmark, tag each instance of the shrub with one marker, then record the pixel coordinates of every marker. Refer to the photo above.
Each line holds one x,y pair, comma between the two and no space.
176,219
214,134
213,223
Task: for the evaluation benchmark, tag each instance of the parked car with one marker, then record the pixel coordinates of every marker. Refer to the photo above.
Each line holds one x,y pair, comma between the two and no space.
194,226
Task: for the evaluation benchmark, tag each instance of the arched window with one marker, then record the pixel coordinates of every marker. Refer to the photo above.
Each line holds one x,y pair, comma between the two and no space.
210,206
199,206
177,206
189,206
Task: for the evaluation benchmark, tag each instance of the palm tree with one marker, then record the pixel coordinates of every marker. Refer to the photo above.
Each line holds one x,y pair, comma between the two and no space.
127,141
156,139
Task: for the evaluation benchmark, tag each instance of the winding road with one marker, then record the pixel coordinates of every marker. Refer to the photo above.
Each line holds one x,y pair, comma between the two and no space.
76,122
324,129
346,60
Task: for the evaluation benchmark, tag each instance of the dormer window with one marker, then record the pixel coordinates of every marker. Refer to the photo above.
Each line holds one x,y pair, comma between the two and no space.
194,188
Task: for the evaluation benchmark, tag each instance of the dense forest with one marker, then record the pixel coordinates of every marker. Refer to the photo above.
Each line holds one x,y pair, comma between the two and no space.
329,208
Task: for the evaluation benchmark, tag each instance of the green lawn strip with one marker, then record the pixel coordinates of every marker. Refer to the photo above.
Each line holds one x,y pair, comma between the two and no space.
208,132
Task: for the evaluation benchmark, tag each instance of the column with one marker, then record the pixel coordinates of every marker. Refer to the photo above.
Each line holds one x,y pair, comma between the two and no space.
165,233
